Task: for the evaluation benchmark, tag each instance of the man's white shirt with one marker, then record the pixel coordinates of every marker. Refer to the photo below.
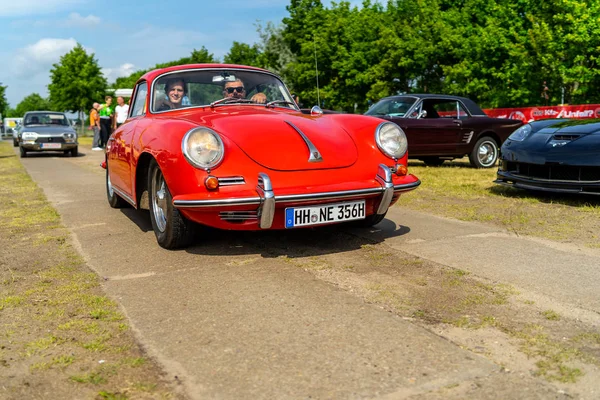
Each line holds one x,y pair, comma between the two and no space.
122,112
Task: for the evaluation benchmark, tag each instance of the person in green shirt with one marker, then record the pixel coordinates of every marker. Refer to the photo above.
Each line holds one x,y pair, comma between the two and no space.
107,115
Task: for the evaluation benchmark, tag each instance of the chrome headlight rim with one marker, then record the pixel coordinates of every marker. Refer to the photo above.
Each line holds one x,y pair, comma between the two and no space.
521,133
404,148
215,163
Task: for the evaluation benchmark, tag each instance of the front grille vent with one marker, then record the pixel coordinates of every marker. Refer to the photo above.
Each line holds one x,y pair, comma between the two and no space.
238,216
231,180
554,172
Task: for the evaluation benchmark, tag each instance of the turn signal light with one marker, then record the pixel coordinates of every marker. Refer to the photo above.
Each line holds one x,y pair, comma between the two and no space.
401,170
211,182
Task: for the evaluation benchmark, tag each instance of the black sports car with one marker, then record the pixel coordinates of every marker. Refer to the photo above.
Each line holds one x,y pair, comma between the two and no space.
555,155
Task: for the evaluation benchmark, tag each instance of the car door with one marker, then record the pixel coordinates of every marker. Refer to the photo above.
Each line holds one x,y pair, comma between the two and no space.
120,153
435,129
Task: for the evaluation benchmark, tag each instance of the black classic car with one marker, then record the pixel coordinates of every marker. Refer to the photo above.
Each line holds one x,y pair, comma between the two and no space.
555,155
46,131
441,127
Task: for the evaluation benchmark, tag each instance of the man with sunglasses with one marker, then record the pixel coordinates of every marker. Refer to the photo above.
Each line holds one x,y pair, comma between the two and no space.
236,90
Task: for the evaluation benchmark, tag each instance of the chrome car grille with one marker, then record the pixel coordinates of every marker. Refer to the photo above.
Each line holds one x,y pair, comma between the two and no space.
554,172
238,216
50,139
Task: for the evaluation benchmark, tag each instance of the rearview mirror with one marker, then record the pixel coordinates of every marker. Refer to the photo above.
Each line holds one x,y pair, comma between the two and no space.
224,77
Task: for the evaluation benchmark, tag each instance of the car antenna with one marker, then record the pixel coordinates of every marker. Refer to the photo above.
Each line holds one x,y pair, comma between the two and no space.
317,71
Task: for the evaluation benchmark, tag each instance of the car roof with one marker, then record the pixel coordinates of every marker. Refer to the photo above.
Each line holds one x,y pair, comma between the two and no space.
151,75
44,111
473,108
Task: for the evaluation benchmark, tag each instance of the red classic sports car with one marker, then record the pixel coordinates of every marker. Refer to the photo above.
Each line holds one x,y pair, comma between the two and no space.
441,127
226,146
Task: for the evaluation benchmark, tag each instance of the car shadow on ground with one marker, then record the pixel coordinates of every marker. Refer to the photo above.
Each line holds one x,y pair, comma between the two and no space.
296,243
52,154
301,242
566,199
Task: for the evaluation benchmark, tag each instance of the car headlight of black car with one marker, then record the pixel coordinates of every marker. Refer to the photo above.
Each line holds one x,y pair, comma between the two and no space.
521,133
391,140
203,148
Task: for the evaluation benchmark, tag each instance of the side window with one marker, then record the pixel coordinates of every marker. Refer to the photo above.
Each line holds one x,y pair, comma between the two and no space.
139,101
447,109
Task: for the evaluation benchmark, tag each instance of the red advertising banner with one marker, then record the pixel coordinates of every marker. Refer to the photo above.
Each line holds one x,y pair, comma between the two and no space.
528,114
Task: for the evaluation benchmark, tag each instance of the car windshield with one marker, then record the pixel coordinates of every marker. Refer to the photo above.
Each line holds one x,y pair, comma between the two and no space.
46,119
394,107
218,87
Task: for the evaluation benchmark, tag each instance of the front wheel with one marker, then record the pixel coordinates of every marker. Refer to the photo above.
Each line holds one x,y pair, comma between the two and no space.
433,161
23,152
172,230
75,152
485,153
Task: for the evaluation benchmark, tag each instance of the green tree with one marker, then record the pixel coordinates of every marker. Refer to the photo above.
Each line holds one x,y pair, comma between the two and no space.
76,82
243,54
33,102
3,102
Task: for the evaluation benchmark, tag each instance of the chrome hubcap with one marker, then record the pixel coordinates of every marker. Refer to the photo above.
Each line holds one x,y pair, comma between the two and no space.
487,154
159,200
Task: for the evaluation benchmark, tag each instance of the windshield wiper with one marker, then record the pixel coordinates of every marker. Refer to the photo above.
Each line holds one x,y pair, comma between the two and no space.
276,102
228,100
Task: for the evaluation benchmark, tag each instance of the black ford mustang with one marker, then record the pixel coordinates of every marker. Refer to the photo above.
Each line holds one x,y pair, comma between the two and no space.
556,155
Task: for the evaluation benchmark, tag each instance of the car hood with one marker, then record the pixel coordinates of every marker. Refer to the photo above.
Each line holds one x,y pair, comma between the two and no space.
47,129
280,140
574,142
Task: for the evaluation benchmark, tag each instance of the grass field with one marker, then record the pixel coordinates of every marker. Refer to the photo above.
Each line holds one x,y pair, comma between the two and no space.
458,191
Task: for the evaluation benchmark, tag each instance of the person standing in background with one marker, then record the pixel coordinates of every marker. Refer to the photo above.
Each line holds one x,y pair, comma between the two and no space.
107,118
95,126
545,94
121,110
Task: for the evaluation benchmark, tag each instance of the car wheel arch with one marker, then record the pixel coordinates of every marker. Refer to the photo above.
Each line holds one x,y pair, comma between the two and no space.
141,180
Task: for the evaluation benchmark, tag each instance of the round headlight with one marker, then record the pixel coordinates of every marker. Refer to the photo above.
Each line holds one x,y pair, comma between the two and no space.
391,140
521,133
203,148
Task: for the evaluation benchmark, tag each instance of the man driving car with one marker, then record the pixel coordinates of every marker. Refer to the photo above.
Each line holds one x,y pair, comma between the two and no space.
235,89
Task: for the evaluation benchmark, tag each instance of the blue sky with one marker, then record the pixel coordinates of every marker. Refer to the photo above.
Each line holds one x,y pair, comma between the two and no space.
124,35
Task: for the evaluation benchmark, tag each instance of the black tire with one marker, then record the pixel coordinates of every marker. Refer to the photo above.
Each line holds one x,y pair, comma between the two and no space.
485,153
75,152
23,152
433,161
172,230
15,143
371,220
113,198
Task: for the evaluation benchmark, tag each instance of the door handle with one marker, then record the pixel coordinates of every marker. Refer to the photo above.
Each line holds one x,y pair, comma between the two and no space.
457,121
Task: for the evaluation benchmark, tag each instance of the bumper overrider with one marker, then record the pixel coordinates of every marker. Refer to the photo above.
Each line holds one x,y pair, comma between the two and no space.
267,200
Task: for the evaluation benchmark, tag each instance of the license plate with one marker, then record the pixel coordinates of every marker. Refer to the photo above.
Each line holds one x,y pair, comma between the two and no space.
325,214
51,145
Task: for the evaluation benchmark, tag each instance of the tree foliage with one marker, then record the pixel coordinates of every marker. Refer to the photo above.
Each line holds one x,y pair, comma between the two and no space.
33,102
497,52
76,81
3,102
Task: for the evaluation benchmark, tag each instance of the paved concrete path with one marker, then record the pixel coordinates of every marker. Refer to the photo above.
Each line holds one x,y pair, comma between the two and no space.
231,323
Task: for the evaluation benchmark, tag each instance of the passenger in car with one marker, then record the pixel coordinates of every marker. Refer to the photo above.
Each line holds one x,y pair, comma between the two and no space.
175,92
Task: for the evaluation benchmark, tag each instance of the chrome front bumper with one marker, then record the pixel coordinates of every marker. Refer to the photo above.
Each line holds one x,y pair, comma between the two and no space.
266,199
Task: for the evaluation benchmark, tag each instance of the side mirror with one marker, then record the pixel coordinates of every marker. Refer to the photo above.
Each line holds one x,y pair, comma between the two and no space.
422,114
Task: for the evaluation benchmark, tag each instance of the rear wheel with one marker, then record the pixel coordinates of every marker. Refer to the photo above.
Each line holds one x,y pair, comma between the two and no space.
113,198
433,161
172,230
485,153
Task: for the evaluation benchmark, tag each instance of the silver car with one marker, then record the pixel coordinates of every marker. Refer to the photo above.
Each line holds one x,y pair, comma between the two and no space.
47,131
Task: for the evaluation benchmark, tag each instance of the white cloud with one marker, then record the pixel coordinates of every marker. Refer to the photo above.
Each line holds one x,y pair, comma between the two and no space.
40,56
111,74
76,19
11,8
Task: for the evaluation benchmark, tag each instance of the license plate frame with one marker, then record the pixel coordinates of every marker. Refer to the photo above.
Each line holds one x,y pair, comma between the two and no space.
53,146
296,217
